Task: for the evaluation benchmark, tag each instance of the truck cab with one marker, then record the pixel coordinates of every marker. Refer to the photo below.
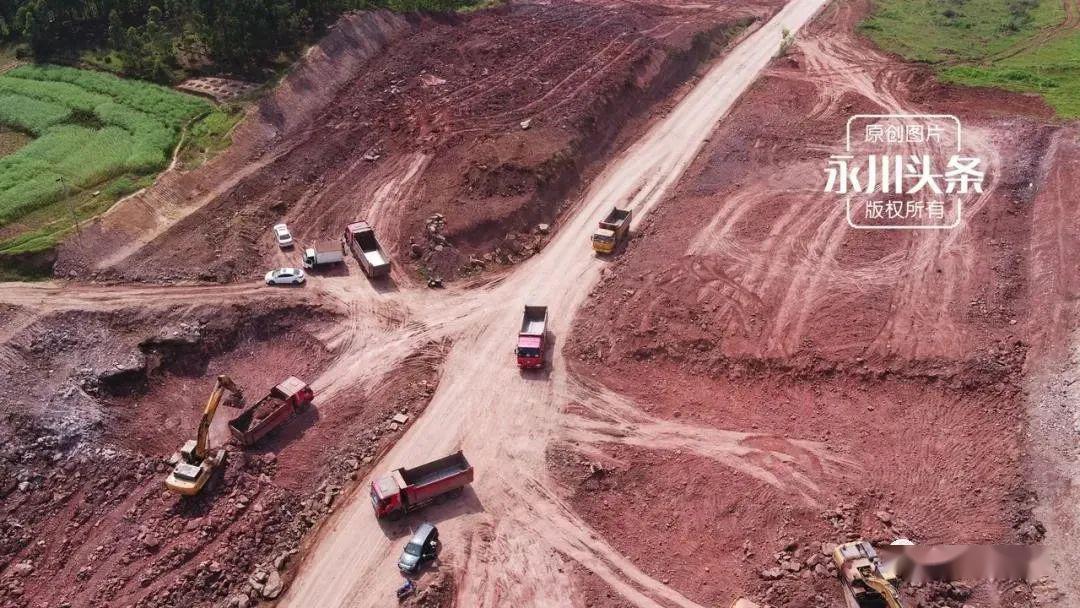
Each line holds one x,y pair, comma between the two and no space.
386,495
603,240
530,352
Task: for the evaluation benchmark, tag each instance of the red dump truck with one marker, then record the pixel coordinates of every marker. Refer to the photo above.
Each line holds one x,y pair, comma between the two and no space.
404,490
283,402
532,337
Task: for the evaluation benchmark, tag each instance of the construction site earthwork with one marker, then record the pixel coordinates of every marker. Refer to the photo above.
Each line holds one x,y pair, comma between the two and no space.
592,288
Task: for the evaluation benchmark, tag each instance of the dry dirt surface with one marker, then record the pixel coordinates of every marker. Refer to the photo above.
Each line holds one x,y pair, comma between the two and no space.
887,371
362,338
490,119
747,383
99,394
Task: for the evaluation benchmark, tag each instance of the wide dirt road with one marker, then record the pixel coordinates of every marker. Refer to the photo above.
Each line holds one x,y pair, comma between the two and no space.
510,532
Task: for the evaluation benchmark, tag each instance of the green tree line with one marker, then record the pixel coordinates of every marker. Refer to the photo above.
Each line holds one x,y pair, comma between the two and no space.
153,38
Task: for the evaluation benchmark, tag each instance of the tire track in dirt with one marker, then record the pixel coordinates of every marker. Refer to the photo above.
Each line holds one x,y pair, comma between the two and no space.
504,419
55,296
462,95
837,66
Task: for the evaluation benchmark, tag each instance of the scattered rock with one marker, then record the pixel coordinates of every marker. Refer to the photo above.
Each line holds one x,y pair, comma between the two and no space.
273,586
771,574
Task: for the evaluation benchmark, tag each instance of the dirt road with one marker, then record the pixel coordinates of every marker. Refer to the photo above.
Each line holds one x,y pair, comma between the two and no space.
511,533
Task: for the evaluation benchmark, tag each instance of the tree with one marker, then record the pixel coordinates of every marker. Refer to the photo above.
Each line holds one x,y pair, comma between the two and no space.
117,38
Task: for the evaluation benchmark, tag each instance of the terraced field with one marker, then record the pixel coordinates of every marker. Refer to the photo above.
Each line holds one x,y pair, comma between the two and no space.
89,130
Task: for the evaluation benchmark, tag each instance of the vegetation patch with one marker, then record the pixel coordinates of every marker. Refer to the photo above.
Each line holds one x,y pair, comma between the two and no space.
94,137
89,128
26,245
208,135
165,41
1013,44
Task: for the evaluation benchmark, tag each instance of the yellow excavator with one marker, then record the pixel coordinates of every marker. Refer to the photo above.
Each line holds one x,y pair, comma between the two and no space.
194,462
866,583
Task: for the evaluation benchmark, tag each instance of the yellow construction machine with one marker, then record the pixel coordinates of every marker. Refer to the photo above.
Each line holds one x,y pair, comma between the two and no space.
194,462
866,583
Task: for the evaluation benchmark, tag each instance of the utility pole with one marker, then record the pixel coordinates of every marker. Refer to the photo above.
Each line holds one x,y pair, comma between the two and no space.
71,206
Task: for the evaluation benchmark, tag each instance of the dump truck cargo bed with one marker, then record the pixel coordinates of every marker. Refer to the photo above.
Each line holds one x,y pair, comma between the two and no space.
436,470
534,321
375,258
615,218
270,412
360,238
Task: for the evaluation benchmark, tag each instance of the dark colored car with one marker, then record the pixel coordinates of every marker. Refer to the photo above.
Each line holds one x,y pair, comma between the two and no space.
422,547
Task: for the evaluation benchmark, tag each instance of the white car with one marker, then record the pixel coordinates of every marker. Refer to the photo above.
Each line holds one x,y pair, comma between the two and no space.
284,237
285,276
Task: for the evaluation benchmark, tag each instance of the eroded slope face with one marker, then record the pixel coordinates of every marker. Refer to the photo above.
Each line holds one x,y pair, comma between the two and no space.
489,119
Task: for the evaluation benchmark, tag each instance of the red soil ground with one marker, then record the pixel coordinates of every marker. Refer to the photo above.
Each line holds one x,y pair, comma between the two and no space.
439,100
748,306
84,510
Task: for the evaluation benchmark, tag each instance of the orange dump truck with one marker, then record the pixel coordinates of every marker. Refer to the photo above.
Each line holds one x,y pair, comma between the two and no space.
283,402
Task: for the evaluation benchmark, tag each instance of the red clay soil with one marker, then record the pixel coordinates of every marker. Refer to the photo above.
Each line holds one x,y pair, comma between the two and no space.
425,116
101,399
750,307
714,534
592,592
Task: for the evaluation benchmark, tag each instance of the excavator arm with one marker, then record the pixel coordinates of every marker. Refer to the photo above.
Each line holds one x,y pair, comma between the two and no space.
885,589
861,574
224,383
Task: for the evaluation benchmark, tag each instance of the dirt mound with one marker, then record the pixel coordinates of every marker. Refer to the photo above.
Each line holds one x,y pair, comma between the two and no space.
491,119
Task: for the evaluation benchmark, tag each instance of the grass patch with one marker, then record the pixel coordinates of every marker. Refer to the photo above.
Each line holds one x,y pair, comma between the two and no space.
44,228
209,135
967,42
939,31
89,128
96,139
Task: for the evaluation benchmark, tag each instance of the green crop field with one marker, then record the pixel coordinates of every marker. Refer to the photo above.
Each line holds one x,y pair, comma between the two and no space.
1011,44
92,134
